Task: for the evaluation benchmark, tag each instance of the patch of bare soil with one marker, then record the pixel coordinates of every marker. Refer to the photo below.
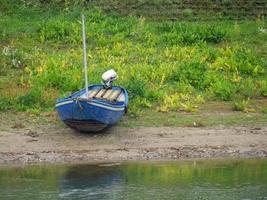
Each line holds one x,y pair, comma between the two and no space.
24,139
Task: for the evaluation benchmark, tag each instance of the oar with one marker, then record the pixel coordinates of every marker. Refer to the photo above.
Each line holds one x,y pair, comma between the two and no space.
84,58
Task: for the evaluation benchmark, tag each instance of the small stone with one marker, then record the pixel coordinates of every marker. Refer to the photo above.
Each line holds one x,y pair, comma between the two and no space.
32,134
152,155
230,151
32,140
252,145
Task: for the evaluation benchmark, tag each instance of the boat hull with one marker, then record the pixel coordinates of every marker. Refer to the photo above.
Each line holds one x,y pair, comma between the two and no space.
90,115
85,125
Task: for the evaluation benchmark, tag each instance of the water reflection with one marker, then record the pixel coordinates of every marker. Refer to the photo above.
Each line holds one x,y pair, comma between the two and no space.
243,179
91,182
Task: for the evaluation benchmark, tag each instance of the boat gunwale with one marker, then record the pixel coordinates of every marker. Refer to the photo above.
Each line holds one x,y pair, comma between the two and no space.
95,101
99,101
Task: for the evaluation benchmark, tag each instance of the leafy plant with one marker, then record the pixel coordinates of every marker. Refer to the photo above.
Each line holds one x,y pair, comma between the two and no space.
243,105
136,87
59,30
32,99
191,73
5,103
224,90
262,87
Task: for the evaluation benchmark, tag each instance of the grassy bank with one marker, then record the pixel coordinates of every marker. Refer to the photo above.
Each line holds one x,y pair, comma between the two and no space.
165,65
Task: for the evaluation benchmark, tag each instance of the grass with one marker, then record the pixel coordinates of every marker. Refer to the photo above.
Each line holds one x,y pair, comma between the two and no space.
213,114
174,119
167,66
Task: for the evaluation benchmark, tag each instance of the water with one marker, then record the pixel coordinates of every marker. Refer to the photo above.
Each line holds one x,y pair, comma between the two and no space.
201,180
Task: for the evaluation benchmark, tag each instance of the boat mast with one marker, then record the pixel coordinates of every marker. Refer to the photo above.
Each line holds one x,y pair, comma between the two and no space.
84,57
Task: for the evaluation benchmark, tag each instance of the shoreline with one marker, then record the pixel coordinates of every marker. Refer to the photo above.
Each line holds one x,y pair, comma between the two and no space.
58,158
53,143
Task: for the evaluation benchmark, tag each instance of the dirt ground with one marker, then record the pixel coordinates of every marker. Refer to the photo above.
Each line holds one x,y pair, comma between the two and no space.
25,139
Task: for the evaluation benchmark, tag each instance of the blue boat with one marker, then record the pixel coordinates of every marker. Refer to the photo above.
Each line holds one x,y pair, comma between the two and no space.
102,107
96,106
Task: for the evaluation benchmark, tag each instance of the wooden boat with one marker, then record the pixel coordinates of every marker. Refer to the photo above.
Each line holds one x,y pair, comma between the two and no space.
101,108
95,107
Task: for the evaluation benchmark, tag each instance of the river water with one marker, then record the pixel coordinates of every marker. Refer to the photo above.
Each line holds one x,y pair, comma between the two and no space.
201,180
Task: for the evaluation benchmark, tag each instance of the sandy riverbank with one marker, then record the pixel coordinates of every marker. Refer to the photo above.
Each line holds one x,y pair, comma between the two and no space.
26,141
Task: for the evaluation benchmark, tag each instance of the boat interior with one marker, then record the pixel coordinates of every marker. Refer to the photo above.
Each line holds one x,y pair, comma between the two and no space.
108,94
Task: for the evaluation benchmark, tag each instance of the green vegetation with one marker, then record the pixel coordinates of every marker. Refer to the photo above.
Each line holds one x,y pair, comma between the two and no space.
165,65
201,118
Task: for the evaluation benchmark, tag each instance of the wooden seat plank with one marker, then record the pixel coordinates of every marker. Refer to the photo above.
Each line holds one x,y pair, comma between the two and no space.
106,95
114,95
93,93
100,93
